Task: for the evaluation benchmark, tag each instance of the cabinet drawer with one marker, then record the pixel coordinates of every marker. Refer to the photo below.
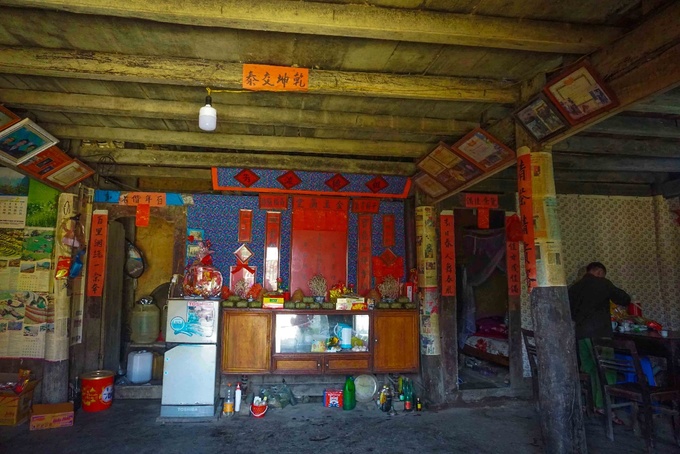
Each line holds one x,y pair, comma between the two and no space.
298,365
341,363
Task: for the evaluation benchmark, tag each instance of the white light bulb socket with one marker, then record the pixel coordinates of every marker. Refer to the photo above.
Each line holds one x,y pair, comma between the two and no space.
207,116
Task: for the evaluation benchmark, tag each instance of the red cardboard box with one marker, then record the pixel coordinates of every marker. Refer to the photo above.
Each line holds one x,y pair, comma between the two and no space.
51,416
332,398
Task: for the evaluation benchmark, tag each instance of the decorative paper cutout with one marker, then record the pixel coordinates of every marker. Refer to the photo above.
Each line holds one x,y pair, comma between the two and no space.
337,182
243,253
246,177
289,179
377,184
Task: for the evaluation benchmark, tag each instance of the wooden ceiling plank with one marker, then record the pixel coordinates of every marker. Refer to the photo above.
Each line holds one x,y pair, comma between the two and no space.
638,127
181,160
245,142
353,20
197,73
666,103
135,107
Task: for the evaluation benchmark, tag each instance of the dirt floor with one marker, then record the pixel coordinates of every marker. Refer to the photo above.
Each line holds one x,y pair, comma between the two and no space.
131,426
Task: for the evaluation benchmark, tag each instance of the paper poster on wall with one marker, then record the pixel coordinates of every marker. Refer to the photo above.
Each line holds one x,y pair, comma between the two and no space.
546,224
11,245
35,275
542,177
549,264
13,211
24,319
430,344
426,246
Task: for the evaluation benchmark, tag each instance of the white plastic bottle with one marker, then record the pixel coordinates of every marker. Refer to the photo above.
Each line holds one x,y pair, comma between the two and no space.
237,398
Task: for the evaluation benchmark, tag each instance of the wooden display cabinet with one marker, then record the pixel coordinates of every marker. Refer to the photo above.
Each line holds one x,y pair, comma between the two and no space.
396,341
246,341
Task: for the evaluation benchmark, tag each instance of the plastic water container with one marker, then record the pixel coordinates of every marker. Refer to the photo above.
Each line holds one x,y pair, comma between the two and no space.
145,322
140,366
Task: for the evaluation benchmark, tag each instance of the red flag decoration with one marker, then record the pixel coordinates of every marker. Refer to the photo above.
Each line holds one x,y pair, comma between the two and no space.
526,211
364,253
448,250
96,261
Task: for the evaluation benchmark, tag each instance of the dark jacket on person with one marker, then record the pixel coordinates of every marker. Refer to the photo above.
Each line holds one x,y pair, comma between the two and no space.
589,301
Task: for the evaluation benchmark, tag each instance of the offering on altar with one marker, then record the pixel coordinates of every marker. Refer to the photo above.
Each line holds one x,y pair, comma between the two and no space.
201,278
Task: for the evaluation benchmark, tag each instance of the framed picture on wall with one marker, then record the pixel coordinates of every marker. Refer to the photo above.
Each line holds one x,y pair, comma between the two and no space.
45,162
579,94
7,118
483,149
23,140
429,185
70,174
541,118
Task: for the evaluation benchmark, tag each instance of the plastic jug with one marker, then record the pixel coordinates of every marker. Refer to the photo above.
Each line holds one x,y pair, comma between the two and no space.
145,321
140,366
344,333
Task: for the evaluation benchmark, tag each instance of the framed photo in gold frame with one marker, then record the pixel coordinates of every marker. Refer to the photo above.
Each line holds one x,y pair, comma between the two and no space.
483,150
70,174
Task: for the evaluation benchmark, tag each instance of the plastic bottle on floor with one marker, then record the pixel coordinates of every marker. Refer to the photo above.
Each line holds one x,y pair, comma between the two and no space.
228,407
237,398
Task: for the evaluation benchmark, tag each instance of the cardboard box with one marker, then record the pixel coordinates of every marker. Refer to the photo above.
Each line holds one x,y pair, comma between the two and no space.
51,416
272,302
332,398
15,408
351,303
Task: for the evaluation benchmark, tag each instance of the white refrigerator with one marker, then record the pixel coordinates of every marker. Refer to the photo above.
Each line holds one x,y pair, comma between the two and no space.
190,372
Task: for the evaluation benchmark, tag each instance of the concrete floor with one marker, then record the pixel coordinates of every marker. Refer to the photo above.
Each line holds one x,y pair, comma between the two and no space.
130,426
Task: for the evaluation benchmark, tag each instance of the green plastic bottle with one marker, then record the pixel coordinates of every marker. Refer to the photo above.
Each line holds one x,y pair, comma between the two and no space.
349,399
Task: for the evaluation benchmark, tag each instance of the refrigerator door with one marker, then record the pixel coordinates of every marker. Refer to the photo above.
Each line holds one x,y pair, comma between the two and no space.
192,321
189,375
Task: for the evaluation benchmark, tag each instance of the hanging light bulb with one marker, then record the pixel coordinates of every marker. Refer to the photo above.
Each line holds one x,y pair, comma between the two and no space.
207,116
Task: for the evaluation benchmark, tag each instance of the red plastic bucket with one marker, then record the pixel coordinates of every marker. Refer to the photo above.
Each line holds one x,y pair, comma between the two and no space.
258,410
97,390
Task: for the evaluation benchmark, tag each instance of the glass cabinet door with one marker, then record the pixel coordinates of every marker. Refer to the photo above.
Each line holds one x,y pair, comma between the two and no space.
307,332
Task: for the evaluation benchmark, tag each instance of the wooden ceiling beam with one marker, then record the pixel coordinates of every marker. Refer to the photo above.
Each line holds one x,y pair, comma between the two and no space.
643,63
353,20
661,128
619,146
301,145
223,75
665,103
176,110
502,186
615,163
172,164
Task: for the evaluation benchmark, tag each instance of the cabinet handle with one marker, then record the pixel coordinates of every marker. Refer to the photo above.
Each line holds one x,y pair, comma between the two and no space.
327,366
376,340
318,365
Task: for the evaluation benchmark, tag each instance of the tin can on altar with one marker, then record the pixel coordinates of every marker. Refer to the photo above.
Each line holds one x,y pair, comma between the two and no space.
97,390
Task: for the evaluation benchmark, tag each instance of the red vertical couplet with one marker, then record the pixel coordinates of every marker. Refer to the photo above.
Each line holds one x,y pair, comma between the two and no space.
142,215
97,253
245,222
448,250
526,212
364,253
272,250
483,218
388,230
512,265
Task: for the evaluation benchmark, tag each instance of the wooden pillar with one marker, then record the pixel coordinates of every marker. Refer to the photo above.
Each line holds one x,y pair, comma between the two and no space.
558,382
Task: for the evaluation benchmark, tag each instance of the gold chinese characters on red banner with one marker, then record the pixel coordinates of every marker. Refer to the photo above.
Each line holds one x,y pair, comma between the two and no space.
96,261
153,199
526,211
274,78
448,251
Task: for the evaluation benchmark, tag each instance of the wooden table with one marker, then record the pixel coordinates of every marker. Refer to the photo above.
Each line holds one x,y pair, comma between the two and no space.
652,343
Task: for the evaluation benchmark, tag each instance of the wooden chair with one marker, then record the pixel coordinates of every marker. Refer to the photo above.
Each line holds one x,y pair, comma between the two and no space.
532,354
636,395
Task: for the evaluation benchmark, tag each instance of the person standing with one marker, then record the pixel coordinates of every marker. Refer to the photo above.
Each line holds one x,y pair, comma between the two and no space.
589,299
